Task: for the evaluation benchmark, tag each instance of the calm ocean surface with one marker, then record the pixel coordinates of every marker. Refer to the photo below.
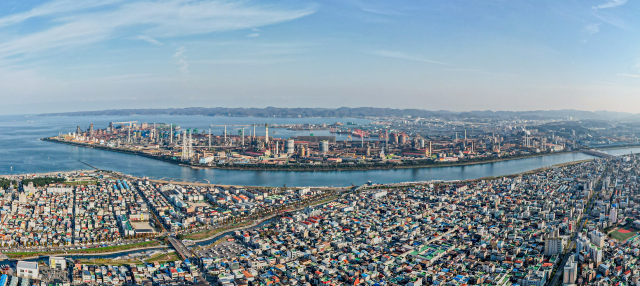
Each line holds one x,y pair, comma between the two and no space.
21,152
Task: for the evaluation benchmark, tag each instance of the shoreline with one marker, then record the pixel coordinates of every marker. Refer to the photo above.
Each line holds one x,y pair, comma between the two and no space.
321,168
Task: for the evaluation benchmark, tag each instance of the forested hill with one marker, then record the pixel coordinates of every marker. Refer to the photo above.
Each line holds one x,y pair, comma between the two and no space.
359,112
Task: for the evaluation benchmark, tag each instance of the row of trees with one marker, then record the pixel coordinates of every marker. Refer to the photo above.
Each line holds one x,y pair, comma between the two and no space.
43,181
5,183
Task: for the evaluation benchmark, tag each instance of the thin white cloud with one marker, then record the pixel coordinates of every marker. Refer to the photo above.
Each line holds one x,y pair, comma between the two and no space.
610,4
611,20
183,66
387,12
253,35
590,30
162,19
399,55
54,8
150,40
242,61
629,75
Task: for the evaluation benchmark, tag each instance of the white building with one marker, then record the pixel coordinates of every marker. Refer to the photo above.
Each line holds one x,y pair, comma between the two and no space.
553,245
57,262
570,273
28,269
378,195
597,238
613,214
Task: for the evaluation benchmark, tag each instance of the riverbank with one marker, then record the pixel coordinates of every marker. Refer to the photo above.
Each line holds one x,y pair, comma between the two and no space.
413,184
100,251
314,168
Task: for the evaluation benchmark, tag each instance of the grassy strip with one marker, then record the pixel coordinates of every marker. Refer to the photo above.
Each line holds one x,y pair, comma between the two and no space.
16,255
113,262
163,257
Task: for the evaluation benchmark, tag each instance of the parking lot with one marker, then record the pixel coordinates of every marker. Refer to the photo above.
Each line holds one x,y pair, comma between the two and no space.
223,250
54,275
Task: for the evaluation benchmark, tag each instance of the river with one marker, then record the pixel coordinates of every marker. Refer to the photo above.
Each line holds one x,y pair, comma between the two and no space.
21,152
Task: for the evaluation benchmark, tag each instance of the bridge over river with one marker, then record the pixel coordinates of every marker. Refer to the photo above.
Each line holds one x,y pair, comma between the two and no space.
597,153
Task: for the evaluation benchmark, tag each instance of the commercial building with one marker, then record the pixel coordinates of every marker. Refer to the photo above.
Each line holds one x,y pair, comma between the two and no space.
57,262
27,269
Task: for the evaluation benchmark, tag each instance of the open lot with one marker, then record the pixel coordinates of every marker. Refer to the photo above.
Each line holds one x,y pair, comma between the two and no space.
141,225
200,204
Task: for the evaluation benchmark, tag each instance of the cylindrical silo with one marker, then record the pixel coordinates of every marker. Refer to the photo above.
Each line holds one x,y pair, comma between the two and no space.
324,146
289,147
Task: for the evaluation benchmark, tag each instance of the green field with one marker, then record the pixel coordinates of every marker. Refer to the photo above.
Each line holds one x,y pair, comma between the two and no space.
163,257
624,235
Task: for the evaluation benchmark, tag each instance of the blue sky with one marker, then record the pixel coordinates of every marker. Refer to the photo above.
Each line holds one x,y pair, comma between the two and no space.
66,55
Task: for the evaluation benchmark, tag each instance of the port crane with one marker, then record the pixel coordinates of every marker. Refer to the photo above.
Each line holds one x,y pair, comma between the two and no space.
129,130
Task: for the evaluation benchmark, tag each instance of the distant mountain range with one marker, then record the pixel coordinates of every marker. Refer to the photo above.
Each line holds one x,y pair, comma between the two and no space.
359,112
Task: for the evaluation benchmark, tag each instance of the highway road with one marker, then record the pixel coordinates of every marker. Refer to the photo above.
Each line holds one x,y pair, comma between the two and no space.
569,249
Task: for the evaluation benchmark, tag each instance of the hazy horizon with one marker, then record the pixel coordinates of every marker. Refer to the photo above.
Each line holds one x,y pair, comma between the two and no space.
66,55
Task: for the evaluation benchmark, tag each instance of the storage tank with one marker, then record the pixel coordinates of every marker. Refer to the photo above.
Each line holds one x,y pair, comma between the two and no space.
394,138
324,146
289,147
303,151
421,143
403,139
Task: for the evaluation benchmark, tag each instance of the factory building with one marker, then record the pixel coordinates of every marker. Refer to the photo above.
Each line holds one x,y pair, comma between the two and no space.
317,139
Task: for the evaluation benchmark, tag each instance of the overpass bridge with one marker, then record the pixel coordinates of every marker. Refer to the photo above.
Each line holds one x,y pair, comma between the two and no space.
182,250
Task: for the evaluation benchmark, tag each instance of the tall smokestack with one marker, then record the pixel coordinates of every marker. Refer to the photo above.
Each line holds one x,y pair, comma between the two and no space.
266,132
